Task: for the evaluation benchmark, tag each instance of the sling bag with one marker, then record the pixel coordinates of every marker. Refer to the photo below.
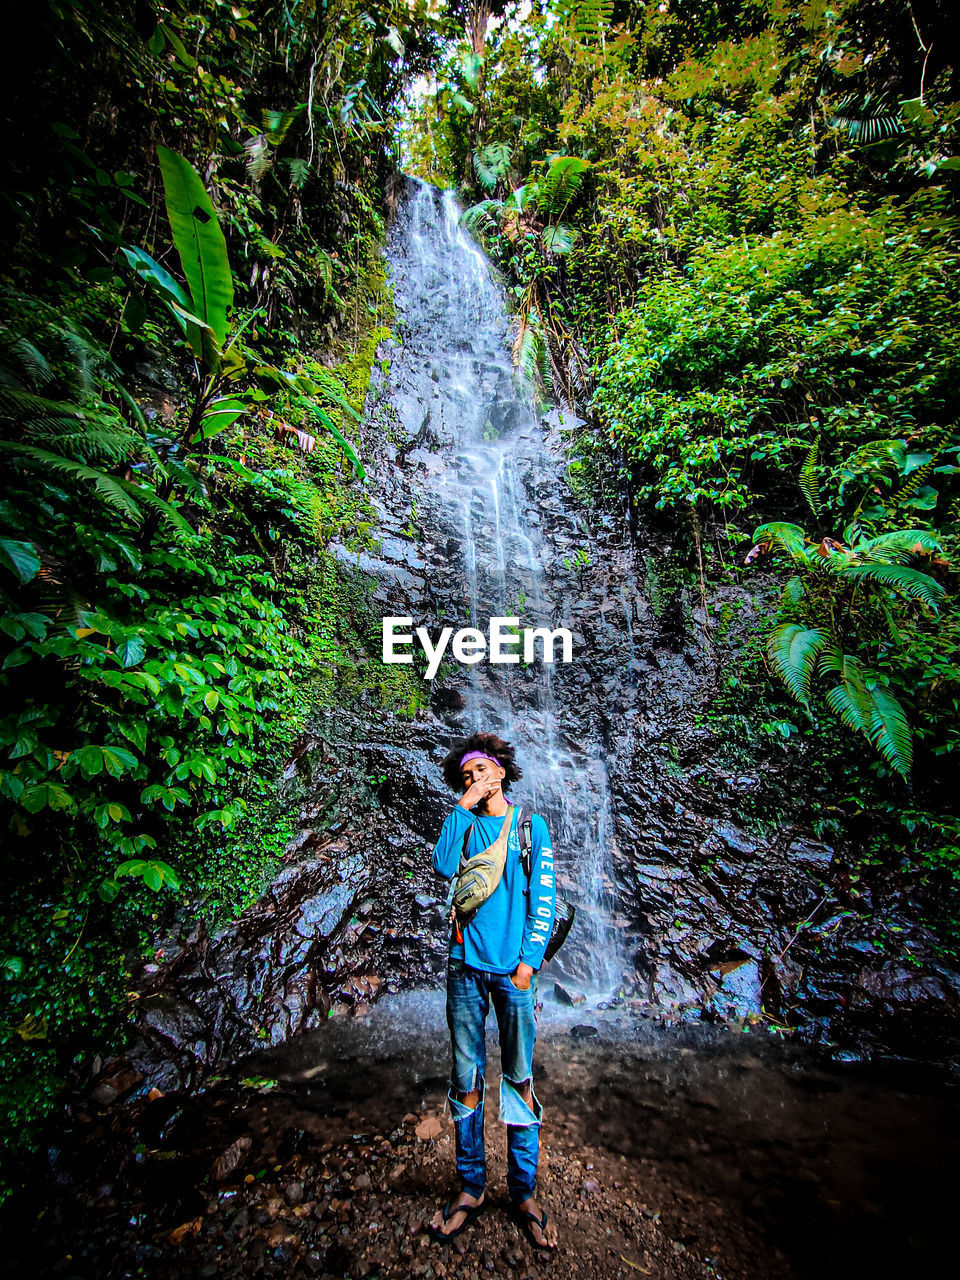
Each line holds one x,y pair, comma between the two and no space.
563,919
478,876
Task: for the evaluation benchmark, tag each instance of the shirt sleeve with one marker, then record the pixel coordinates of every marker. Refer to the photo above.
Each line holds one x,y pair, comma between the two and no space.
449,848
542,903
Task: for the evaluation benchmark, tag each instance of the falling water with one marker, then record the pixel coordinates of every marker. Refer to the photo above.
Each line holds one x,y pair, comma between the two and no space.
484,443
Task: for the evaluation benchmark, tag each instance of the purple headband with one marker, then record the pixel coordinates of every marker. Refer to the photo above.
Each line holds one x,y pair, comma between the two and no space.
479,755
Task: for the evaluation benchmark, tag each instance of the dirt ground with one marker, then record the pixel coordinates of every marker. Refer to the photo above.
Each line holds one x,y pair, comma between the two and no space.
673,1154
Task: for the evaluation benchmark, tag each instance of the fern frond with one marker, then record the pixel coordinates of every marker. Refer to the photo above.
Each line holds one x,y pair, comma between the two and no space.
110,488
915,482
299,171
867,707
522,197
529,350
585,20
144,493
810,481
259,157
97,442
17,402
793,651
482,219
788,537
897,577
492,164
899,546
864,126
558,238
560,184
27,363
793,593
182,476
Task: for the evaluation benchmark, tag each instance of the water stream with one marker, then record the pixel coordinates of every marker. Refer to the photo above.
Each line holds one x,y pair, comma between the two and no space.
459,401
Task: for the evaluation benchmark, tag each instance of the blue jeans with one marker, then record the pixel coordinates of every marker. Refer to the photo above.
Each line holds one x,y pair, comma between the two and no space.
468,1001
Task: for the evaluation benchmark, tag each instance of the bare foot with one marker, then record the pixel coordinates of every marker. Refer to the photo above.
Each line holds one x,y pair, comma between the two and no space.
457,1215
545,1239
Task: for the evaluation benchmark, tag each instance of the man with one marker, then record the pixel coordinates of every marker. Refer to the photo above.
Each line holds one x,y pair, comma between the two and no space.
495,956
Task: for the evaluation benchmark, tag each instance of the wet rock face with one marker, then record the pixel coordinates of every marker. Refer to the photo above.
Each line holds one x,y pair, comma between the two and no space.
722,903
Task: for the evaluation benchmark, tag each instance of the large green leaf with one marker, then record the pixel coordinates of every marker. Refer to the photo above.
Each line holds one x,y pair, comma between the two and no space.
560,185
344,444
908,582
199,241
867,707
793,651
20,558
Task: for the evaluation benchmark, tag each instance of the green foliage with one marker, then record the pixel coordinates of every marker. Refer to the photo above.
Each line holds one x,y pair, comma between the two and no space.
856,596
201,247
492,165
756,291
168,612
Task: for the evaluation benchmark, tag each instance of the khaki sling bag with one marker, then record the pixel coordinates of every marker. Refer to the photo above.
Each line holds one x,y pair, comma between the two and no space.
479,876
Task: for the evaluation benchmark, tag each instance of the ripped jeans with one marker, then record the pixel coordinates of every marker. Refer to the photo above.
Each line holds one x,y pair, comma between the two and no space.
468,1001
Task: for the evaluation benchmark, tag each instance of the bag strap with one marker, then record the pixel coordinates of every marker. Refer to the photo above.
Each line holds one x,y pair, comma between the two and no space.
526,841
524,816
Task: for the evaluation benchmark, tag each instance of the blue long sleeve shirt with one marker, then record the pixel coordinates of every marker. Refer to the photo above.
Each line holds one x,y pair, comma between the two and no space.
513,926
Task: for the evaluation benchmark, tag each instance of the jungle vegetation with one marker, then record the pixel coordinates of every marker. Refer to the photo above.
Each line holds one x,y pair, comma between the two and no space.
729,231
192,296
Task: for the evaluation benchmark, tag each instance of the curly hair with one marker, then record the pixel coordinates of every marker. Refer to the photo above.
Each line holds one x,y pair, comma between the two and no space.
492,746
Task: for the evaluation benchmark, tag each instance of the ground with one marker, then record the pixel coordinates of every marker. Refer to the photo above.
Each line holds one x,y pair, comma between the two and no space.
676,1154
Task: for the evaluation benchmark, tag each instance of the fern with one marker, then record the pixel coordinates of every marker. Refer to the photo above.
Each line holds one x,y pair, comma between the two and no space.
522,197
793,593
299,170
558,238
809,480
492,164
866,127
585,21
482,219
33,364
144,493
560,185
788,537
898,546
866,706
258,156
909,582
529,349
912,486
875,457
793,651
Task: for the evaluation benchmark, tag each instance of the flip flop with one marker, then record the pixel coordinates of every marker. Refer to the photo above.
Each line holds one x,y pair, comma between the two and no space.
524,1217
471,1210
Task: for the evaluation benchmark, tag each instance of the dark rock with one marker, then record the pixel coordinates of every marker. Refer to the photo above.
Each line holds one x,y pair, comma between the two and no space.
583,1032
563,996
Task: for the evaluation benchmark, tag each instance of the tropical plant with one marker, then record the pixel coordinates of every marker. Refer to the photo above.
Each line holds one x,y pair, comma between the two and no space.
528,225
836,589
203,316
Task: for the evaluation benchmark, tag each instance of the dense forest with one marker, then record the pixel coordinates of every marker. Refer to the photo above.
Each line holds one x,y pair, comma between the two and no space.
729,234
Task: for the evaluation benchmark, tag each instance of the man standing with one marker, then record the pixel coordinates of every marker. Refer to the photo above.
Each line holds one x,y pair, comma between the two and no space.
495,956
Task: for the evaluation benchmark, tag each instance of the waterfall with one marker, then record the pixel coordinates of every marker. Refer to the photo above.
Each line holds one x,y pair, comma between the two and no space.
472,427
